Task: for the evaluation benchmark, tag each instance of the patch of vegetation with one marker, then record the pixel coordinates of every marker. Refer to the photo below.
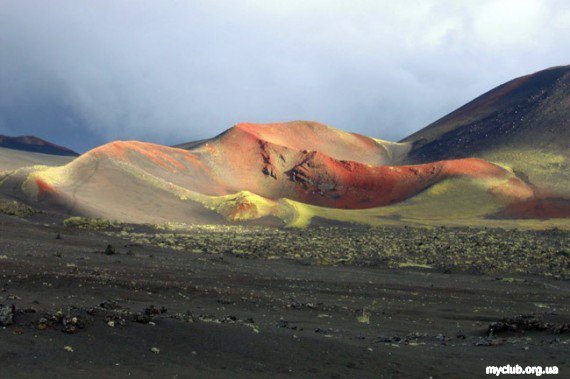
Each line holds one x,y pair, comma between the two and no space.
92,223
14,208
538,166
484,251
363,317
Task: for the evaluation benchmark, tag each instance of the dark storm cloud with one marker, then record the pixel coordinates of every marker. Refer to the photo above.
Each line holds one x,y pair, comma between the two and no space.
81,73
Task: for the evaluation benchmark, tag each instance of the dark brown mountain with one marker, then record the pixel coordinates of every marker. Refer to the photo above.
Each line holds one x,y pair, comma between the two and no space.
528,113
34,144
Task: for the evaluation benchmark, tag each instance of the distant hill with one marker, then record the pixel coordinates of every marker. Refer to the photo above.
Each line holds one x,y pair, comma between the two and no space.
34,144
523,124
530,111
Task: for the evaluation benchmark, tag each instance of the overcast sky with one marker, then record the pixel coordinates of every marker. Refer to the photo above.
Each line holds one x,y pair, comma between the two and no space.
81,73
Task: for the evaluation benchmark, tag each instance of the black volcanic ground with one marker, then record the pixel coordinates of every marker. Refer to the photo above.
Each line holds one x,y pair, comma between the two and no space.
215,309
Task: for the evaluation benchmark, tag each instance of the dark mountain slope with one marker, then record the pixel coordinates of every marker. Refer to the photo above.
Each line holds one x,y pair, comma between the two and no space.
530,112
35,144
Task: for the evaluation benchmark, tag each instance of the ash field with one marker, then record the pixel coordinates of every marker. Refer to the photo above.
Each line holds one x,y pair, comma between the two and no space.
91,298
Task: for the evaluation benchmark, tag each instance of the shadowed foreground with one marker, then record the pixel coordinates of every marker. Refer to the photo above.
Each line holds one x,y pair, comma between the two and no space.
141,310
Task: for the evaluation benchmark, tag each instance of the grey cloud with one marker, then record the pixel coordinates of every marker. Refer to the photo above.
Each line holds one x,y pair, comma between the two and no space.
81,73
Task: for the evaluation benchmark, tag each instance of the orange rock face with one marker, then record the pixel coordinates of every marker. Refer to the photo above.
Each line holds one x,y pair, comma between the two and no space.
44,189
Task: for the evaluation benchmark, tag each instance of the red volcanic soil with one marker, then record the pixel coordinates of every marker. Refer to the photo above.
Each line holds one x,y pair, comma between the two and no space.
155,153
176,166
44,189
305,135
536,208
289,161
328,182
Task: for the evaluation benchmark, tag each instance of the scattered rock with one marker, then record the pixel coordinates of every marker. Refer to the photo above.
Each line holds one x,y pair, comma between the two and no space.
188,316
285,324
110,250
72,324
325,331
154,311
141,318
110,305
394,339
517,324
7,314
489,341
19,331
115,320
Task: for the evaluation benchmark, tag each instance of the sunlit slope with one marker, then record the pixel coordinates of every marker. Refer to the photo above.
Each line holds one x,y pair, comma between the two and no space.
460,201
258,159
312,136
250,173
548,171
104,183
